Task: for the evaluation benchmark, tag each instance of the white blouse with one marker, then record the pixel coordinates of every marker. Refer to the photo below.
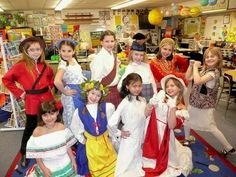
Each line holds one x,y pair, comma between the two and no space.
143,69
102,65
77,127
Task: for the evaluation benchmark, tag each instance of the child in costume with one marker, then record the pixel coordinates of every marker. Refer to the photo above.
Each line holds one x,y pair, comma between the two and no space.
105,67
35,79
203,97
137,65
50,145
69,72
163,155
168,63
131,112
95,153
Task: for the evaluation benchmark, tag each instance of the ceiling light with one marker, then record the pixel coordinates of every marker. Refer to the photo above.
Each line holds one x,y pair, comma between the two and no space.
213,11
62,4
126,4
1,10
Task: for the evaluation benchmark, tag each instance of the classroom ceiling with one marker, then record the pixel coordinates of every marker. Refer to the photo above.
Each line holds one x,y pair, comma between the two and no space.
13,5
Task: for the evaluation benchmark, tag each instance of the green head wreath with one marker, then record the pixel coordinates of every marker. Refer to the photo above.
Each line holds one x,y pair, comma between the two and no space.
90,85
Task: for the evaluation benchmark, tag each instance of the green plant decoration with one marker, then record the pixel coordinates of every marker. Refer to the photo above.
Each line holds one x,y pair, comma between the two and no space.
3,21
18,18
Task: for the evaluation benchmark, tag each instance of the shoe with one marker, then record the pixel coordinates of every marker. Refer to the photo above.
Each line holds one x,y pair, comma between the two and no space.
186,143
226,153
24,162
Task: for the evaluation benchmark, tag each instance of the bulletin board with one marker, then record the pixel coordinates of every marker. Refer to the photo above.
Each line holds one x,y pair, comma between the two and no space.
192,26
215,27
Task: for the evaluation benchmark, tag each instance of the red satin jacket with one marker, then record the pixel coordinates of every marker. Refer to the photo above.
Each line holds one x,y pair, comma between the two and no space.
18,79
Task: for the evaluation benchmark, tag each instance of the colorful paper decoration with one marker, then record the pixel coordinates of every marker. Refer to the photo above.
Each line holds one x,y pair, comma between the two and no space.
185,12
155,17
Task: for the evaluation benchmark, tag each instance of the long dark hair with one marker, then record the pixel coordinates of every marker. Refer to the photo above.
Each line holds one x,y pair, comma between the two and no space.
130,78
47,107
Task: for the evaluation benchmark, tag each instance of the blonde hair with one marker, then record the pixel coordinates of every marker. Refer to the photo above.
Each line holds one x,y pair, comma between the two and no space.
130,58
215,51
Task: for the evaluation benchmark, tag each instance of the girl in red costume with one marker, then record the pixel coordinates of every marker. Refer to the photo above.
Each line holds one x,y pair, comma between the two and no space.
163,155
36,81
167,63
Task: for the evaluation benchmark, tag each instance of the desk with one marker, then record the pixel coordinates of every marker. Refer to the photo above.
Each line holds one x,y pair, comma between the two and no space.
231,73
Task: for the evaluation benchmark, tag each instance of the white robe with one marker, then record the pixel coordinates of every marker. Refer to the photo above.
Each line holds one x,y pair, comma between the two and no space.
131,113
102,65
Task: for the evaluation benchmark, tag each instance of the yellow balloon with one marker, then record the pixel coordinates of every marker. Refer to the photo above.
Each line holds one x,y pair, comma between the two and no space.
155,17
195,11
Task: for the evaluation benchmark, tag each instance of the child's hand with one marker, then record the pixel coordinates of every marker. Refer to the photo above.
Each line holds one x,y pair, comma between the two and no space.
197,64
46,172
171,102
70,92
125,134
74,166
191,62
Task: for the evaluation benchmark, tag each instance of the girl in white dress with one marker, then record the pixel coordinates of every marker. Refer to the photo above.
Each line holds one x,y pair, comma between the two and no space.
138,65
50,145
105,67
203,97
131,112
163,155
69,72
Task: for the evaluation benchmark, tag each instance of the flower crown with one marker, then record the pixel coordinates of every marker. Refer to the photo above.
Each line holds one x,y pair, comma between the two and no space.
92,84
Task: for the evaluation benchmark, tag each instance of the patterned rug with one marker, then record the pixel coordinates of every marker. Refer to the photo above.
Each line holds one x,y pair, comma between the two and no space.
206,160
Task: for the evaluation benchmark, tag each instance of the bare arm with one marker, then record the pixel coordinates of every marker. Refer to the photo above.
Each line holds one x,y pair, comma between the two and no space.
46,171
189,72
172,118
196,75
72,158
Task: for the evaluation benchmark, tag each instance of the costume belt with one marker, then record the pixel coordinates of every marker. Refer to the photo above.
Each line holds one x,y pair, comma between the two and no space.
96,138
39,91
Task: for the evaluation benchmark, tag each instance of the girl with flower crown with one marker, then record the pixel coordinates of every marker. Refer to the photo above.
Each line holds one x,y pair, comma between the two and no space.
95,153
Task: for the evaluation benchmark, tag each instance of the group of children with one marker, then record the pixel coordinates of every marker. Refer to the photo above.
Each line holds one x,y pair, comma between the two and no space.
135,114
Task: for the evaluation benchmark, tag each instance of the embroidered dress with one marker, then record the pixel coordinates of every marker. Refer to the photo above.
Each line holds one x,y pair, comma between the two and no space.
172,158
52,149
177,66
131,113
143,69
72,75
97,156
202,107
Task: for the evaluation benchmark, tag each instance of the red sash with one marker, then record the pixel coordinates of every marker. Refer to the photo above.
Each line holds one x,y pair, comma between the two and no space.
151,148
107,80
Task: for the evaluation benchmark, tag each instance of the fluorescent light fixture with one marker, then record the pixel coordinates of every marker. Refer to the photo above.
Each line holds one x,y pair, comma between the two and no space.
1,10
62,4
126,4
213,11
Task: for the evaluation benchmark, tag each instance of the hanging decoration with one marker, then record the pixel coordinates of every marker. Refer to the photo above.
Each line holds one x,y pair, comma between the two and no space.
185,12
195,11
155,17
204,2
212,2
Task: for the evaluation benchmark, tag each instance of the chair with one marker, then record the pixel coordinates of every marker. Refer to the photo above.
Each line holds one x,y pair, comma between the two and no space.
227,91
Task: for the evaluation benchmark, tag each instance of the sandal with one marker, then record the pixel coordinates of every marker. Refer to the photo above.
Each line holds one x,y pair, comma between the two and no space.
24,162
226,153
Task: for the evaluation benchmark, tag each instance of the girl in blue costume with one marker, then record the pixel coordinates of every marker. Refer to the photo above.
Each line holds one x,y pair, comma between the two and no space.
95,153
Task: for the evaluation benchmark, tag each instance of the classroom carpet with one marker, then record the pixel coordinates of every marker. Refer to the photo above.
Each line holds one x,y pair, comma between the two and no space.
206,160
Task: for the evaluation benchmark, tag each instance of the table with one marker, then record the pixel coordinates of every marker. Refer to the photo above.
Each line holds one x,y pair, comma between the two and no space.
232,73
